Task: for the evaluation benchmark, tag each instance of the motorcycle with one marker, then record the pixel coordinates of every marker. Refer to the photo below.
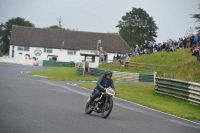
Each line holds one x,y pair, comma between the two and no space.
103,104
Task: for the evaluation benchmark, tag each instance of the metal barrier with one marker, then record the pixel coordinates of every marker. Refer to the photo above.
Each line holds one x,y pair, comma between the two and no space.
187,91
58,64
146,78
124,76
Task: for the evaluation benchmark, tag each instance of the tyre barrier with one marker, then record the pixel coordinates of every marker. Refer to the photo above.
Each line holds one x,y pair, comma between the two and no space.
80,71
187,91
124,76
58,64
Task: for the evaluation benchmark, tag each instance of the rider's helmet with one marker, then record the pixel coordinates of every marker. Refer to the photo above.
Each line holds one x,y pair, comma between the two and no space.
108,72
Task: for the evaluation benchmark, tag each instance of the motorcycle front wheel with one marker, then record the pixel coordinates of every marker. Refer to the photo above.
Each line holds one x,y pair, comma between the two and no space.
88,109
107,108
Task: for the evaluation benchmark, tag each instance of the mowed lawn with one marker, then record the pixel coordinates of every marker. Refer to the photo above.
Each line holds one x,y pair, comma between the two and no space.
145,95
63,73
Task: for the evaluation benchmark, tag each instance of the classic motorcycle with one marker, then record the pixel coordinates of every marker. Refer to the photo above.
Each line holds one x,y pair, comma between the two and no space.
103,104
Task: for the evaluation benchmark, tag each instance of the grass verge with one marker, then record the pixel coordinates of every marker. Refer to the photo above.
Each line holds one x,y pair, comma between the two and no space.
146,96
116,68
188,71
63,73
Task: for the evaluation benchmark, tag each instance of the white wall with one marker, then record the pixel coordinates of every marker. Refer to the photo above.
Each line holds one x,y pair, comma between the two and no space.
110,57
62,54
94,64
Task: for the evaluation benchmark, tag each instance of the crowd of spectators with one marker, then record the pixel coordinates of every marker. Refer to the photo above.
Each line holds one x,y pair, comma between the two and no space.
192,42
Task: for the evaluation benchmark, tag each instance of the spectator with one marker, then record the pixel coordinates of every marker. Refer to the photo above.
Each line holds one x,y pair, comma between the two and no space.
199,38
127,61
105,56
121,60
136,50
151,48
164,45
141,49
170,42
184,41
196,50
159,47
102,57
131,53
118,56
115,56
191,40
196,40
180,43
192,49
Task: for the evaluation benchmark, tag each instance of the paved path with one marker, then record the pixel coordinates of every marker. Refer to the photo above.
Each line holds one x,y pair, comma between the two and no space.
36,105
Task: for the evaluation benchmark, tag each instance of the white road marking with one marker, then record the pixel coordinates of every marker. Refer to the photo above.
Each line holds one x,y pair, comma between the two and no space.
184,124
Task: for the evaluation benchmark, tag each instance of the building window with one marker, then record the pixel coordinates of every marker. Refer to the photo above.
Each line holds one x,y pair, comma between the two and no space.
20,48
26,48
71,52
48,50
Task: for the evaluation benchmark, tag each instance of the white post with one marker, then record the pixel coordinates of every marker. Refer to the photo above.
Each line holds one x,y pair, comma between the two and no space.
155,78
83,68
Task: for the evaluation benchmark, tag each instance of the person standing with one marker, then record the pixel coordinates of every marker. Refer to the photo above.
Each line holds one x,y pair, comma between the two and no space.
191,40
127,61
196,40
102,57
141,50
137,50
185,42
121,60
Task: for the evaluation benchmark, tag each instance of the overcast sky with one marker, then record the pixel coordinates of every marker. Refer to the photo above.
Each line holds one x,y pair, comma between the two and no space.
171,16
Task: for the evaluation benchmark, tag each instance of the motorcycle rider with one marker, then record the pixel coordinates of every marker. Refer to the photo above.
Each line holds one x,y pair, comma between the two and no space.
104,82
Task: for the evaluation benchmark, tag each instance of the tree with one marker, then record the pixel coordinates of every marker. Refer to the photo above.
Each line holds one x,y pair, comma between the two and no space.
55,27
197,16
5,30
137,26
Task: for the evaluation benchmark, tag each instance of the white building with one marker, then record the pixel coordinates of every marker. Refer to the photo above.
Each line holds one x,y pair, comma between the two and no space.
63,45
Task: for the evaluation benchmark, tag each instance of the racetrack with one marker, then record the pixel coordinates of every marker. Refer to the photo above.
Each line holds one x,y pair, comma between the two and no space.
36,105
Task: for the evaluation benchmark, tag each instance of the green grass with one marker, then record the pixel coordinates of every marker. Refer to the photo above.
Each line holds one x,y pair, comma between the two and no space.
116,68
175,58
146,96
188,71
64,73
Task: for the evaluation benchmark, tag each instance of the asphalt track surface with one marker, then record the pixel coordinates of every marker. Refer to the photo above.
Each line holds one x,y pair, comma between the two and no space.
36,105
